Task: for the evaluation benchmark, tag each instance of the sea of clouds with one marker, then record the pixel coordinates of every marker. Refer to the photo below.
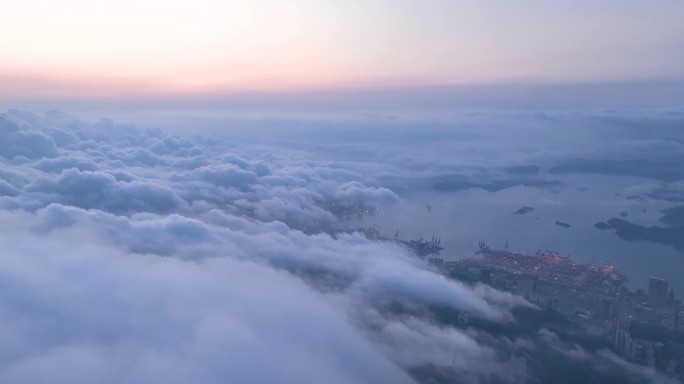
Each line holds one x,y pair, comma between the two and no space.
135,256
132,256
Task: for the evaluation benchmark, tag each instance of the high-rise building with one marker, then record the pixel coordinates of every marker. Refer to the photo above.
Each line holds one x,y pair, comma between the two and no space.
667,317
622,340
640,296
657,291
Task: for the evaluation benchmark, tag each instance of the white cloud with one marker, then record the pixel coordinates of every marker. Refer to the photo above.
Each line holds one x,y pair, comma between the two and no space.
135,256
18,142
76,311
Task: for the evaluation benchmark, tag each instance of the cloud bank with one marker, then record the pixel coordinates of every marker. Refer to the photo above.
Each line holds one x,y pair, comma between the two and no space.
135,256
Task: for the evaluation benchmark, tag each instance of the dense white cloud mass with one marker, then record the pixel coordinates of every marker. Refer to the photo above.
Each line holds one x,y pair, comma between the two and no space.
17,141
77,311
133,256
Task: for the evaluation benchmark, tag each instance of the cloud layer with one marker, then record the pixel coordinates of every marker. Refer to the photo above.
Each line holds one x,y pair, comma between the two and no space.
136,256
132,256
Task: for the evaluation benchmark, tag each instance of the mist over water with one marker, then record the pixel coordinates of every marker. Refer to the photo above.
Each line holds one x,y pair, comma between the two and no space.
409,154
462,219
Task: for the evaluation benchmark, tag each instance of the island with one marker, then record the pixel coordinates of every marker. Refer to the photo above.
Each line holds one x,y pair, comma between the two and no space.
523,210
602,226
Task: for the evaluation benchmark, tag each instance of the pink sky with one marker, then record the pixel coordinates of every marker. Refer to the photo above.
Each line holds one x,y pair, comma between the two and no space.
151,48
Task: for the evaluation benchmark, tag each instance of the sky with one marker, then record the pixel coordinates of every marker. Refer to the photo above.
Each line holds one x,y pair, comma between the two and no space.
153,50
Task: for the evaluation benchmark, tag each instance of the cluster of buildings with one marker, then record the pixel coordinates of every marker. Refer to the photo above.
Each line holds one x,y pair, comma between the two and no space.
347,209
347,212
428,250
649,329
645,326
545,278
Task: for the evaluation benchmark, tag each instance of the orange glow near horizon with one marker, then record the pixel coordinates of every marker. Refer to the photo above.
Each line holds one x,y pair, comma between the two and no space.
109,49
161,47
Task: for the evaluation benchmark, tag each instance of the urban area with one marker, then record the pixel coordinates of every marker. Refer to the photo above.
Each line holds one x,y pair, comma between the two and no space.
645,326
